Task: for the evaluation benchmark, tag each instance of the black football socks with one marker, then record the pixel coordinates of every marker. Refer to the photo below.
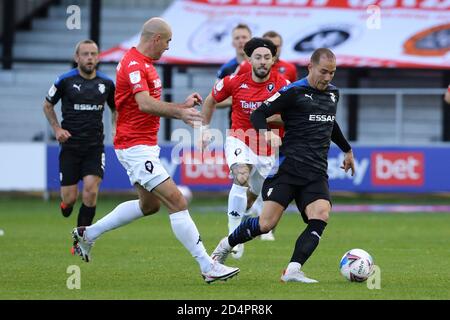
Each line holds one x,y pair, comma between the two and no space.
86,215
308,241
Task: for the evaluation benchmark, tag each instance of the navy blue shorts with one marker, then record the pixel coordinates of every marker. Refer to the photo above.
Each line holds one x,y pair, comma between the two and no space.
76,163
283,188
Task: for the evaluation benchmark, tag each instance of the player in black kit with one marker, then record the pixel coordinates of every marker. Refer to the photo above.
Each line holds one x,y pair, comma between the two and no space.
84,92
308,110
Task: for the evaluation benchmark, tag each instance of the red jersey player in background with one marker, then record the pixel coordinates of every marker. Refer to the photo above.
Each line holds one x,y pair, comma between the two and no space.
247,154
138,92
286,69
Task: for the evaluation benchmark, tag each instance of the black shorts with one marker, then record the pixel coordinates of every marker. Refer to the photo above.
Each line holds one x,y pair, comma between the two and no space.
283,188
76,163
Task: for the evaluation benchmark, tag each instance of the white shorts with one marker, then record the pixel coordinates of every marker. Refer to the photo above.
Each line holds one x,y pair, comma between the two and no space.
236,151
143,165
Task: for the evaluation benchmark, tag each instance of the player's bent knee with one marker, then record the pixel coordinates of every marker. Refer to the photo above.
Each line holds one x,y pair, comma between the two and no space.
90,196
323,214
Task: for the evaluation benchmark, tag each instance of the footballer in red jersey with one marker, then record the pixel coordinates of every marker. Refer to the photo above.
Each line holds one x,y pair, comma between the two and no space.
247,154
136,73
139,110
288,71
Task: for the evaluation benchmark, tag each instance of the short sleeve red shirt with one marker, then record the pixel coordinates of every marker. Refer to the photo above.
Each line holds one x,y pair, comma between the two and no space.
247,96
135,73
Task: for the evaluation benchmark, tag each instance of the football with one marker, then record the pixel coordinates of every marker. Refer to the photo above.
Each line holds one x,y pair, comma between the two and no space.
356,265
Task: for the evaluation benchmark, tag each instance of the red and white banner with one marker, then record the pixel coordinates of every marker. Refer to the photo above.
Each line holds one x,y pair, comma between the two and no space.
362,33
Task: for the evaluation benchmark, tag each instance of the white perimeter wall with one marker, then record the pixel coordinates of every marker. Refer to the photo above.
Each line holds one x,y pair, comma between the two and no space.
23,166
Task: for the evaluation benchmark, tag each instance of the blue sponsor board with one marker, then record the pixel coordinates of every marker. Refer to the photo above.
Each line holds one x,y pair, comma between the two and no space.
392,169
378,169
116,178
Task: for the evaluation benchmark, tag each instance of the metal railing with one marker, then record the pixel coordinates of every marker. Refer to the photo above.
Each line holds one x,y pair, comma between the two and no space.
220,119
201,79
399,106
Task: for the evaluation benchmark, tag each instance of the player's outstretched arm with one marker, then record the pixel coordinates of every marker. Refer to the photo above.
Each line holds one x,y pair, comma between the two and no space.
272,106
61,134
273,139
225,103
349,162
208,108
338,138
259,119
113,122
261,116
194,99
182,111
275,119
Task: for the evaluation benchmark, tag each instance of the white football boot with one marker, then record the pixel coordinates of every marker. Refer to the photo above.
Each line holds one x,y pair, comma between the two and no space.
80,241
296,276
219,272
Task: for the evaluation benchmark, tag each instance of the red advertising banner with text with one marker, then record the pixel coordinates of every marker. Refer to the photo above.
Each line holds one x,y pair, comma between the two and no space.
206,171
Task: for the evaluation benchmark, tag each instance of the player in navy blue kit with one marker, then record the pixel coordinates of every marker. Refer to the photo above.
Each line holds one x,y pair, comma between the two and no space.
83,92
308,110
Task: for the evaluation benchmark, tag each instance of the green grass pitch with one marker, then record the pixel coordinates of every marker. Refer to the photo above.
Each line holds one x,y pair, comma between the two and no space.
143,260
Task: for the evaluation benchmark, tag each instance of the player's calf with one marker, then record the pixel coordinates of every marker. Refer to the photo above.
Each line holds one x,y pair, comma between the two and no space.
150,208
308,241
68,199
169,194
